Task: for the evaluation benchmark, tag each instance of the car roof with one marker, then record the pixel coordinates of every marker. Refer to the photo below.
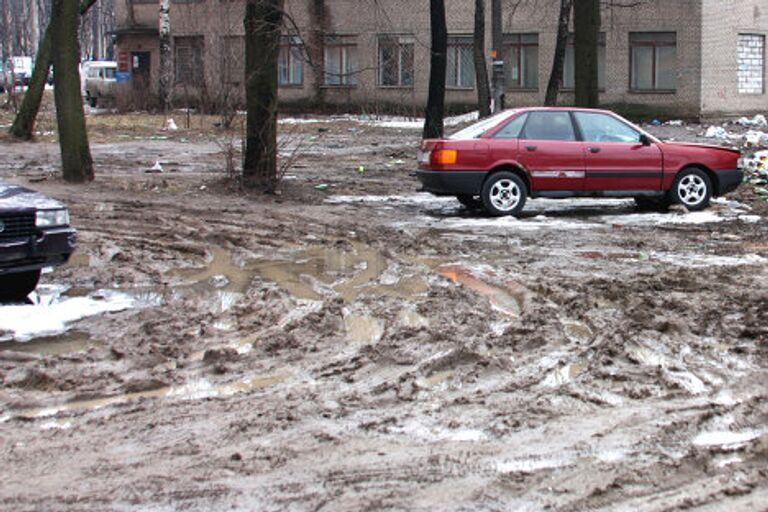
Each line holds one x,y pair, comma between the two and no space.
561,109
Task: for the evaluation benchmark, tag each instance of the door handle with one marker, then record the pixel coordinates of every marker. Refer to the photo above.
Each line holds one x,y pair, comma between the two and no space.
530,148
594,150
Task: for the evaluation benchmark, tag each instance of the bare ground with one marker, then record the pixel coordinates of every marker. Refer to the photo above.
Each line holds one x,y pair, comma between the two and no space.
373,348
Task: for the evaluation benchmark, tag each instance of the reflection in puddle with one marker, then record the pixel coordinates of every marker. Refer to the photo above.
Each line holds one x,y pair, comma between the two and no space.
502,300
196,390
68,343
315,273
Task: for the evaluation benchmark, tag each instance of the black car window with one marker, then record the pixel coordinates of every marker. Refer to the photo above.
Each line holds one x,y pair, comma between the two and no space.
596,127
549,126
512,129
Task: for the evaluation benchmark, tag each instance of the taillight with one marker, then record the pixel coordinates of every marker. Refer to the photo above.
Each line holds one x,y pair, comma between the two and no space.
445,156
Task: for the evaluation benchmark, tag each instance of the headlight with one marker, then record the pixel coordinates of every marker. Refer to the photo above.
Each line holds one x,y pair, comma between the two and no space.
51,218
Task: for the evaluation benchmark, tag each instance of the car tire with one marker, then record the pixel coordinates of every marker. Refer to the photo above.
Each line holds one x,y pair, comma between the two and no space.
470,202
652,204
504,193
693,189
17,286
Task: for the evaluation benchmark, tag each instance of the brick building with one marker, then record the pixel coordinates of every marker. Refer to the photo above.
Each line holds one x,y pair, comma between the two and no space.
681,57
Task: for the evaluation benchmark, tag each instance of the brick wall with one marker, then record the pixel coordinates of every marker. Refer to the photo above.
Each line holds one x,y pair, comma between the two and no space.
728,75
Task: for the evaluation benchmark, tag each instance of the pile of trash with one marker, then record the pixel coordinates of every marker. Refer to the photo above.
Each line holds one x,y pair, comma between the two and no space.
756,169
753,138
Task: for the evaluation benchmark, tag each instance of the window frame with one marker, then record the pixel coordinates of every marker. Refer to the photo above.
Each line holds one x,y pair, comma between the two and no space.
194,43
399,43
290,44
572,44
655,45
342,44
456,43
516,40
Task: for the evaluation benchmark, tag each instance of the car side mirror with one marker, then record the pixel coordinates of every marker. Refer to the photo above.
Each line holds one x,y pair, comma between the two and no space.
645,140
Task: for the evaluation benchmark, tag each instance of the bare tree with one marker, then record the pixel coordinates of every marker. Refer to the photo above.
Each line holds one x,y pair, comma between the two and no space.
435,114
165,79
76,161
24,123
262,22
586,20
481,71
556,77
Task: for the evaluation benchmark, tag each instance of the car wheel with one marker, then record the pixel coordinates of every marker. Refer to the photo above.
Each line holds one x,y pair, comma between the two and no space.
652,204
18,285
470,202
504,193
692,189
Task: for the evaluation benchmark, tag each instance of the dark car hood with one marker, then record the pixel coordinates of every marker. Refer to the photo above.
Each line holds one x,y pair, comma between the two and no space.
14,197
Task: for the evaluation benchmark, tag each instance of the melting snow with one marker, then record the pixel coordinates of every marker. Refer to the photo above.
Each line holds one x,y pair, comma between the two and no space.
725,438
53,313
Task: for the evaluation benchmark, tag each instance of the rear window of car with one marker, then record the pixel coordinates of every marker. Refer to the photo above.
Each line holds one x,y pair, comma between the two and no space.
549,126
512,129
476,130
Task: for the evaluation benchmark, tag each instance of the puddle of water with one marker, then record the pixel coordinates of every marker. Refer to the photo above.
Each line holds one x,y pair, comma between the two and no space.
68,343
363,329
237,278
502,300
577,331
192,391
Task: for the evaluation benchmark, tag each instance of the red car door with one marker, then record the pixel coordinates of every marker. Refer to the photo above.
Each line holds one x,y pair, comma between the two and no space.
614,156
550,152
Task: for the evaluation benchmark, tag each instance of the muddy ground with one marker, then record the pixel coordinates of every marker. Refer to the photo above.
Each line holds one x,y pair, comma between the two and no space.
361,346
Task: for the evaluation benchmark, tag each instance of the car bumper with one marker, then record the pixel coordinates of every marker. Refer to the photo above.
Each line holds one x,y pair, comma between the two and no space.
728,181
52,247
451,183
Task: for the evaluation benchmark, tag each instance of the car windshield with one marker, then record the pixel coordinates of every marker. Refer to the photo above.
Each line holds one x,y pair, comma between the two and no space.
476,130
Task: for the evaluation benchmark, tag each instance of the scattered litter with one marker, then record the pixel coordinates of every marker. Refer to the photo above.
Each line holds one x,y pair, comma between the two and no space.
361,169
170,125
156,169
758,121
716,132
754,138
321,186
675,122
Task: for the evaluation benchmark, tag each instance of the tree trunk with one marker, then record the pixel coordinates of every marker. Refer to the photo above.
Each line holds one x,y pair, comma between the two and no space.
76,162
7,30
433,124
316,50
164,83
481,71
499,87
262,44
586,19
556,77
24,124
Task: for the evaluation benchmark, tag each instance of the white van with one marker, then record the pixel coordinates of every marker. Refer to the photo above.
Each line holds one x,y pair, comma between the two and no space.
20,68
99,80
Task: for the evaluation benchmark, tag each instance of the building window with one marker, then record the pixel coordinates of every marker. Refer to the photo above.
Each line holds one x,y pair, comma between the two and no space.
340,61
569,66
189,60
232,60
395,61
653,57
751,64
460,73
290,62
522,61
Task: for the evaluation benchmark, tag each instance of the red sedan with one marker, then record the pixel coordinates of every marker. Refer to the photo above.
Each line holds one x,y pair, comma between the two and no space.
500,161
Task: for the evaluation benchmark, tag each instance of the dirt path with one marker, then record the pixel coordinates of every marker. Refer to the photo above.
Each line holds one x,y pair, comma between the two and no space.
366,347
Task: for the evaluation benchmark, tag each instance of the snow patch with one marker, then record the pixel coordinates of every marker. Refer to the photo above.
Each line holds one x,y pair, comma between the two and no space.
725,439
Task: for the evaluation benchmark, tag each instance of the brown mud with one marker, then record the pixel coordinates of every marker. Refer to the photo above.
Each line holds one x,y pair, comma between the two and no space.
364,347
